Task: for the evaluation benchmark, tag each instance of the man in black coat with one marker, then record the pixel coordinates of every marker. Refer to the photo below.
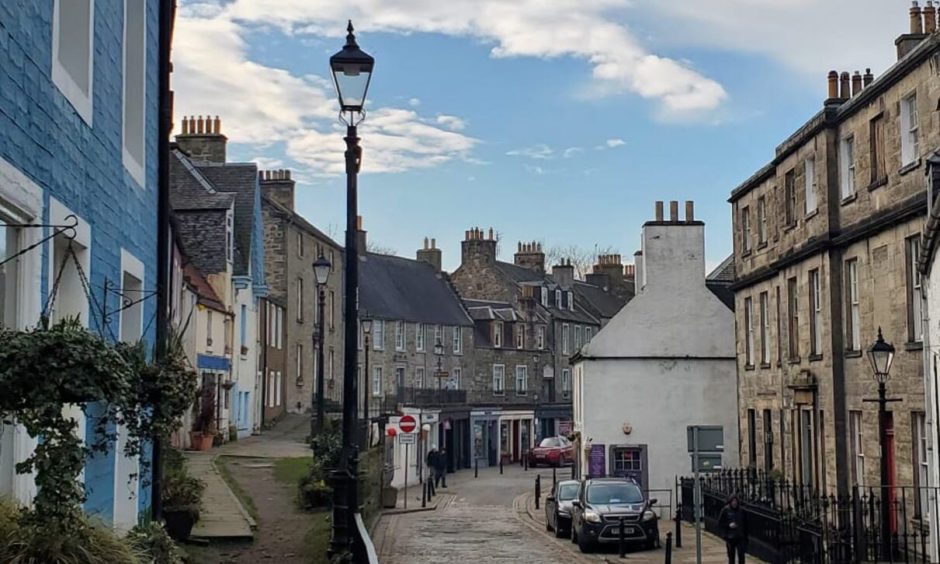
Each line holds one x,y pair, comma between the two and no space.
440,467
732,522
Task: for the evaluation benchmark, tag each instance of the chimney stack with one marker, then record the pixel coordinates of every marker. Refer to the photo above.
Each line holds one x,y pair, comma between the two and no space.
917,24
908,41
659,211
477,251
564,274
530,256
868,78
361,242
202,139
277,185
856,83
689,210
844,82
430,254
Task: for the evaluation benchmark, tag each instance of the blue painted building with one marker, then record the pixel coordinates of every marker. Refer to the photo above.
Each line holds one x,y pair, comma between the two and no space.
78,147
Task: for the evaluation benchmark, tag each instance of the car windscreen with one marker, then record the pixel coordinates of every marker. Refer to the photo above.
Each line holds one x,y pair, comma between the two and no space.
604,494
549,442
567,491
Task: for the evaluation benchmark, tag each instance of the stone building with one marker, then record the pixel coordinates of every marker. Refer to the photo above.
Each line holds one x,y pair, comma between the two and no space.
664,362
826,237
550,315
292,245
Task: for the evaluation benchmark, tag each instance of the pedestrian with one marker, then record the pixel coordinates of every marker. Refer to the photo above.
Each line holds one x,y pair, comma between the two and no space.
441,469
432,462
732,523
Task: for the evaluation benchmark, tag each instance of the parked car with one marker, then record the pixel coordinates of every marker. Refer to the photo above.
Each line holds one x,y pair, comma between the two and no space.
558,507
552,451
599,507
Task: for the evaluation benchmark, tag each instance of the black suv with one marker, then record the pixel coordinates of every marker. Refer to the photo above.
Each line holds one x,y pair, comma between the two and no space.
599,507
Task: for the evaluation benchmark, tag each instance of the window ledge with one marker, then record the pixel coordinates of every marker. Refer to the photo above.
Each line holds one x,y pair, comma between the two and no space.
794,360
749,367
762,245
853,354
815,357
913,165
849,199
810,215
746,253
789,227
765,365
877,184
914,346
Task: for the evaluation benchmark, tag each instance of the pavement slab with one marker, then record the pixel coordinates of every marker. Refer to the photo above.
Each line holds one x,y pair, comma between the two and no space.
222,515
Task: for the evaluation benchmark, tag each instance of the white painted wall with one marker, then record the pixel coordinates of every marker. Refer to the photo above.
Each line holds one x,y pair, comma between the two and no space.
931,290
245,366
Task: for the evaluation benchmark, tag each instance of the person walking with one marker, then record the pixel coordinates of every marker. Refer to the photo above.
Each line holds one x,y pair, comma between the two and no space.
441,469
431,461
732,523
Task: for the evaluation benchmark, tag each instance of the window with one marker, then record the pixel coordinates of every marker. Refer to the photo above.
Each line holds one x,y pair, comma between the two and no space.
438,335
497,334
522,380
761,220
132,286
300,300
229,244
243,328
419,337
847,167
751,438
856,441
919,456
300,244
565,381
588,333
520,335
578,337
779,329
915,331
540,337
909,130
399,379
564,338
749,330
399,335
457,336
455,378
764,328
789,194
73,25
279,326
852,314
809,185
419,377
544,292
499,377
806,447
331,364
558,299
360,332
378,335
571,301
815,309
299,366
332,310
768,441
377,381
746,229
876,147
227,334
209,328
627,461
793,313
135,87
9,273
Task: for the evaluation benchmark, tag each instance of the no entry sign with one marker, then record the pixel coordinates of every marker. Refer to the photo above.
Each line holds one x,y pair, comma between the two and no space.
407,424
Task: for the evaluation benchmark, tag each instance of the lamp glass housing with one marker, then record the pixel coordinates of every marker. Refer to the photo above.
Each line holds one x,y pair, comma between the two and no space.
352,71
366,326
881,355
321,270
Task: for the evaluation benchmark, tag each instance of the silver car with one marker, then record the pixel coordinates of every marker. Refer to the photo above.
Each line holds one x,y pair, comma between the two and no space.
558,507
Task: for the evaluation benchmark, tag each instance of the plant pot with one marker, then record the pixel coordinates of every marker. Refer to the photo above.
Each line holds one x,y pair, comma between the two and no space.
179,522
200,441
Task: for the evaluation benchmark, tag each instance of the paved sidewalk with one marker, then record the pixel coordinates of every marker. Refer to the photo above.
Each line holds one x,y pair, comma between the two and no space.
222,515
286,440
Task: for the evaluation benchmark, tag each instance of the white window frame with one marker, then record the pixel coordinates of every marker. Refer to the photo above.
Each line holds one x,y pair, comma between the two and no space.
909,129
63,80
565,341
816,314
520,335
847,167
455,375
499,379
299,362
919,423
857,444
420,334
570,301
540,337
855,335
761,220
544,296
746,229
749,329
558,299
522,379
588,334
376,381
809,185
497,334
457,337
399,336
134,167
565,381
131,265
765,327
378,335
578,337
438,335
912,248
419,377
300,300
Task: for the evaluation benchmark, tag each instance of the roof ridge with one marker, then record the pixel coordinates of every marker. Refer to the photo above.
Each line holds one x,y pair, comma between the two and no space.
191,168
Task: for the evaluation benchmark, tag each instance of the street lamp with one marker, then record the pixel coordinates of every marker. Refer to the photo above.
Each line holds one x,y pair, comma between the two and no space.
881,355
352,72
321,273
439,352
367,331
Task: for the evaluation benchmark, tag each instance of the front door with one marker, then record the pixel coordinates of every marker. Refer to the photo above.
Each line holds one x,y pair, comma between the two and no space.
630,462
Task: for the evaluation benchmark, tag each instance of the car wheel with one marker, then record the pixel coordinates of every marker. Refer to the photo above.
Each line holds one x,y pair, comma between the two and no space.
559,532
585,545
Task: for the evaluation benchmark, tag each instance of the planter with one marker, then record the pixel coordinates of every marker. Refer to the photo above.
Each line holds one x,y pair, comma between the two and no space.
180,521
200,441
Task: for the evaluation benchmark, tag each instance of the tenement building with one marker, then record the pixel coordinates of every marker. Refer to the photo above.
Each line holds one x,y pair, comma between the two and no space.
826,241
292,245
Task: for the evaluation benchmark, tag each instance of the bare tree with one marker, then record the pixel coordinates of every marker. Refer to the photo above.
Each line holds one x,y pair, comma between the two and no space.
581,259
379,248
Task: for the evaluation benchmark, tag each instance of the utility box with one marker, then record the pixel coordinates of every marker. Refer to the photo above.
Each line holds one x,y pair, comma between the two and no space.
711,438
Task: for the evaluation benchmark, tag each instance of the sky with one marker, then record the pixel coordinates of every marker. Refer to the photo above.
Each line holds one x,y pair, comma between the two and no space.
559,121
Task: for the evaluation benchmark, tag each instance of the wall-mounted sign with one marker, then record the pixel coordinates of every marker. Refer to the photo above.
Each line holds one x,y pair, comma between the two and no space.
597,461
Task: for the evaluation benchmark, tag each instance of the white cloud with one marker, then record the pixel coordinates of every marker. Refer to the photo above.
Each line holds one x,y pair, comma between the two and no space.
539,151
617,142
262,105
453,123
572,151
414,102
523,28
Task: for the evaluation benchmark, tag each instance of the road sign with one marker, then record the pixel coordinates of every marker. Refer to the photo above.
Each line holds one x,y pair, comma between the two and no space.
707,462
407,424
406,438
710,438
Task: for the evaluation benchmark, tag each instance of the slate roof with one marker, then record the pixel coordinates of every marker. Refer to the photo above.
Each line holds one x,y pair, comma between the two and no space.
522,275
190,190
602,304
299,221
519,273
396,288
487,310
241,179
720,281
202,233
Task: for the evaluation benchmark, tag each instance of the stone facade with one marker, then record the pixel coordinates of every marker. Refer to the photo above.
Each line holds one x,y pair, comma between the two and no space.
291,246
824,237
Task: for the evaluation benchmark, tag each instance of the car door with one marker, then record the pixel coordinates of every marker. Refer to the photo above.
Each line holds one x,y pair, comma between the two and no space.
577,510
550,507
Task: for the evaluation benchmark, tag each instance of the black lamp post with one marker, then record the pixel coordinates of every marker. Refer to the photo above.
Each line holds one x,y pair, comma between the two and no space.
352,70
881,355
439,352
367,331
321,273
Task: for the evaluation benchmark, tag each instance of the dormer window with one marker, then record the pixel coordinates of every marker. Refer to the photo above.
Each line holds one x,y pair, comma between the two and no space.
558,299
544,292
497,334
229,243
571,301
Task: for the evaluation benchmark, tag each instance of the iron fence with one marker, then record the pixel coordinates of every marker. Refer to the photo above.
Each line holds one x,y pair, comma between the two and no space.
791,522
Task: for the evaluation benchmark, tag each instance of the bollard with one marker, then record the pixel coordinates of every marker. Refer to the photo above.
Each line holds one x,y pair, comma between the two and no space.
431,491
679,529
476,467
622,541
668,548
525,461
572,471
538,490
554,479
500,464
424,496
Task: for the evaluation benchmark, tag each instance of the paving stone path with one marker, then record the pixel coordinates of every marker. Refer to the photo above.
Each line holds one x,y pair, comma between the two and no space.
222,516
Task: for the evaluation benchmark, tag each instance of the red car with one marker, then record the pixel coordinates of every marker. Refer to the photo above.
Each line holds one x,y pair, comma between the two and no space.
552,451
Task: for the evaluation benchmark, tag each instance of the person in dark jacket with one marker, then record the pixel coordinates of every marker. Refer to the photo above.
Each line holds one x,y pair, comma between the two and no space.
732,523
431,461
440,468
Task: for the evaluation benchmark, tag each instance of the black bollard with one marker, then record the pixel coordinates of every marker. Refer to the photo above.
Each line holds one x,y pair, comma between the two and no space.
679,529
572,471
431,491
668,548
622,541
424,496
554,478
476,467
538,490
500,464
525,461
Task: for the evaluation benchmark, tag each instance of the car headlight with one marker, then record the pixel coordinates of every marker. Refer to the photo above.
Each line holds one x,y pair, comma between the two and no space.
648,515
592,517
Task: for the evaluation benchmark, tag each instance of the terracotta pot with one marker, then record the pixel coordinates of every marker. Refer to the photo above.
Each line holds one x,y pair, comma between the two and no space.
200,441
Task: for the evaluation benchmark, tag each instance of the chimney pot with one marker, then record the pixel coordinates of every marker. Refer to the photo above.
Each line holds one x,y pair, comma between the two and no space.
930,17
184,126
433,243
673,211
868,78
917,24
833,84
200,126
844,82
856,83
659,211
217,125
491,233
359,222
689,210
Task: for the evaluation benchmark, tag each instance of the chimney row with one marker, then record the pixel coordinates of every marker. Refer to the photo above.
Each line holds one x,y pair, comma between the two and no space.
192,125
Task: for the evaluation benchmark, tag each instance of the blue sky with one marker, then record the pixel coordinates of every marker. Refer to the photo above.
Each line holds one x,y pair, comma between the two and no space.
556,121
